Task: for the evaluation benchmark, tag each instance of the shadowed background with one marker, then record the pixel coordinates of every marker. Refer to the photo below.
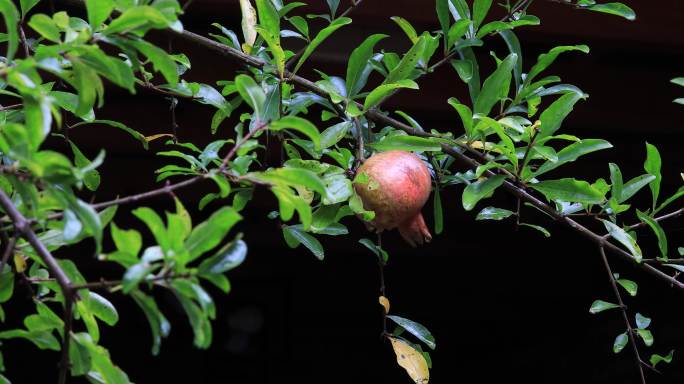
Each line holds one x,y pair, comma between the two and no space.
502,303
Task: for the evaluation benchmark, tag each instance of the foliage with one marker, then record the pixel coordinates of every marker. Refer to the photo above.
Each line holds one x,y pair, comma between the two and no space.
511,139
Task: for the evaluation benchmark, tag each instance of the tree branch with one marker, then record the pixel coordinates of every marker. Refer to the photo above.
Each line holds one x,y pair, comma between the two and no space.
623,309
373,114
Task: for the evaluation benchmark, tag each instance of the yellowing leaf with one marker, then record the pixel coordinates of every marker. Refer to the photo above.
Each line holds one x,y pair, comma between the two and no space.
19,263
411,360
385,303
157,136
249,21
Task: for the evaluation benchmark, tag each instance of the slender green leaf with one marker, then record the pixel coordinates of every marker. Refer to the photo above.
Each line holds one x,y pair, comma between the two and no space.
492,88
624,238
620,342
618,9
569,190
479,190
600,306
416,329
322,35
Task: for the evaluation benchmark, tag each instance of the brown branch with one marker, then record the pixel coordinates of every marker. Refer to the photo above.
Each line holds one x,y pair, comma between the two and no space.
623,309
23,228
64,364
21,224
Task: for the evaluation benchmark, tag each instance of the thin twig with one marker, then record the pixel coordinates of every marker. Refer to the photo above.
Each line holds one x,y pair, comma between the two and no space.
381,270
670,215
106,284
9,250
623,309
66,340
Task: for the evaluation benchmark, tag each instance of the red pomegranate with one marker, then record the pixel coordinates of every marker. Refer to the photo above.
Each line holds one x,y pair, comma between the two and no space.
396,185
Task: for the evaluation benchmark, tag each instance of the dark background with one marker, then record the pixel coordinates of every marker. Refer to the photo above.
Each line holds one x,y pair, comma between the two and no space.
502,304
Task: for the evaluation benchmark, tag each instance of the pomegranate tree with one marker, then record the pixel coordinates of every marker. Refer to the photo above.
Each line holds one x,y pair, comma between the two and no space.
396,185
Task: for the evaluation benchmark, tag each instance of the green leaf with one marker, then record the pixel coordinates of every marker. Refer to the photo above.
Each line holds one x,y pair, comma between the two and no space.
492,213
600,306
669,200
569,190
100,361
571,153
629,286
634,185
159,326
655,359
615,181
652,166
320,37
358,61
41,339
617,9
199,322
437,209
465,113
11,17
273,42
646,336
642,322
408,63
657,229
310,242
293,177
457,31
6,284
479,190
547,59
252,93
134,275
376,95
162,61
620,342
406,27
211,232
553,116
137,17
406,143
228,257
356,205
624,238
269,18
98,11
332,135
91,179
26,6
88,84
300,125
480,10
102,309
155,225
415,329
137,135
45,26
539,228
492,88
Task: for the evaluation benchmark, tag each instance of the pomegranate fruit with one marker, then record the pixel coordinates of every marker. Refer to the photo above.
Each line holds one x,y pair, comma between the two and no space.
396,185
